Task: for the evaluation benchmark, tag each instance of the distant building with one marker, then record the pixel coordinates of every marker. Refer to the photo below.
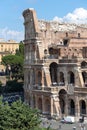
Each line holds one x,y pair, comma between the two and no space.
6,48
55,67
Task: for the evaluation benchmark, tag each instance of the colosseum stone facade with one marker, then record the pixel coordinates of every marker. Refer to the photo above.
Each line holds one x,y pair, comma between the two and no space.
55,66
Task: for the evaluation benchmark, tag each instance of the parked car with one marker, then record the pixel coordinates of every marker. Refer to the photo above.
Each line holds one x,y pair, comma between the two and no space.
68,119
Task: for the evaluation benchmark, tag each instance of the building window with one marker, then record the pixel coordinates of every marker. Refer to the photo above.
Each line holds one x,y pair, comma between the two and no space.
5,49
78,35
65,42
71,77
66,34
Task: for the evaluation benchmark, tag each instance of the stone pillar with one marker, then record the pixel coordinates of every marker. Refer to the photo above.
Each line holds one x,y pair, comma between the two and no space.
43,76
66,77
57,106
33,82
47,76
79,81
31,76
66,105
29,54
32,101
77,107
43,105
36,101
26,97
35,53
52,105
36,76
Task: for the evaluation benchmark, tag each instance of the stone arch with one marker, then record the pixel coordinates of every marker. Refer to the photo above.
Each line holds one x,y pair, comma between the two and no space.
40,104
62,100
71,77
72,107
82,104
47,106
53,72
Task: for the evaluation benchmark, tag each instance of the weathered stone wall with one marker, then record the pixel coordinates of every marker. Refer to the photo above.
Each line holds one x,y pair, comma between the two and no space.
55,67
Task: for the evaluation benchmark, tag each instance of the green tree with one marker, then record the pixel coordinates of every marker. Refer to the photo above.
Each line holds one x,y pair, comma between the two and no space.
13,86
18,116
16,65
20,51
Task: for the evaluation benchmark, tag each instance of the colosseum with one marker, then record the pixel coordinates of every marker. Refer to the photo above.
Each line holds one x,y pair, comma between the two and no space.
55,66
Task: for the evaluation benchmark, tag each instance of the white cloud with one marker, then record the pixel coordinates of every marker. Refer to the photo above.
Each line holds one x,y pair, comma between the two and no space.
8,34
78,16
57,19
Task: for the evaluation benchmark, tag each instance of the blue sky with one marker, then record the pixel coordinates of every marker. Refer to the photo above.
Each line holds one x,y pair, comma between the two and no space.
11,20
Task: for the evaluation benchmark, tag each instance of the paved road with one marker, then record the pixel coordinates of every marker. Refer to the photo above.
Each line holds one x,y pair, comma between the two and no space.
56,125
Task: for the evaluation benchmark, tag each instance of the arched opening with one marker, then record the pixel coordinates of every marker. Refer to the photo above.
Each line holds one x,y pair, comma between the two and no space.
82,107
62,82
71,77
50,50
83,64
84,75
62,100
40,104
72,107
53,72
78,35
62,105
66,34
39,78
65,42
47,106
53,52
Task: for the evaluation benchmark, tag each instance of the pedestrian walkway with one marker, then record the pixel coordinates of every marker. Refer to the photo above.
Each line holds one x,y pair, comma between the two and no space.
56,125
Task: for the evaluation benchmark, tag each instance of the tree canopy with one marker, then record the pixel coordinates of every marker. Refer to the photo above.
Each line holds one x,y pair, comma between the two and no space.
12,60
20,52
18,116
